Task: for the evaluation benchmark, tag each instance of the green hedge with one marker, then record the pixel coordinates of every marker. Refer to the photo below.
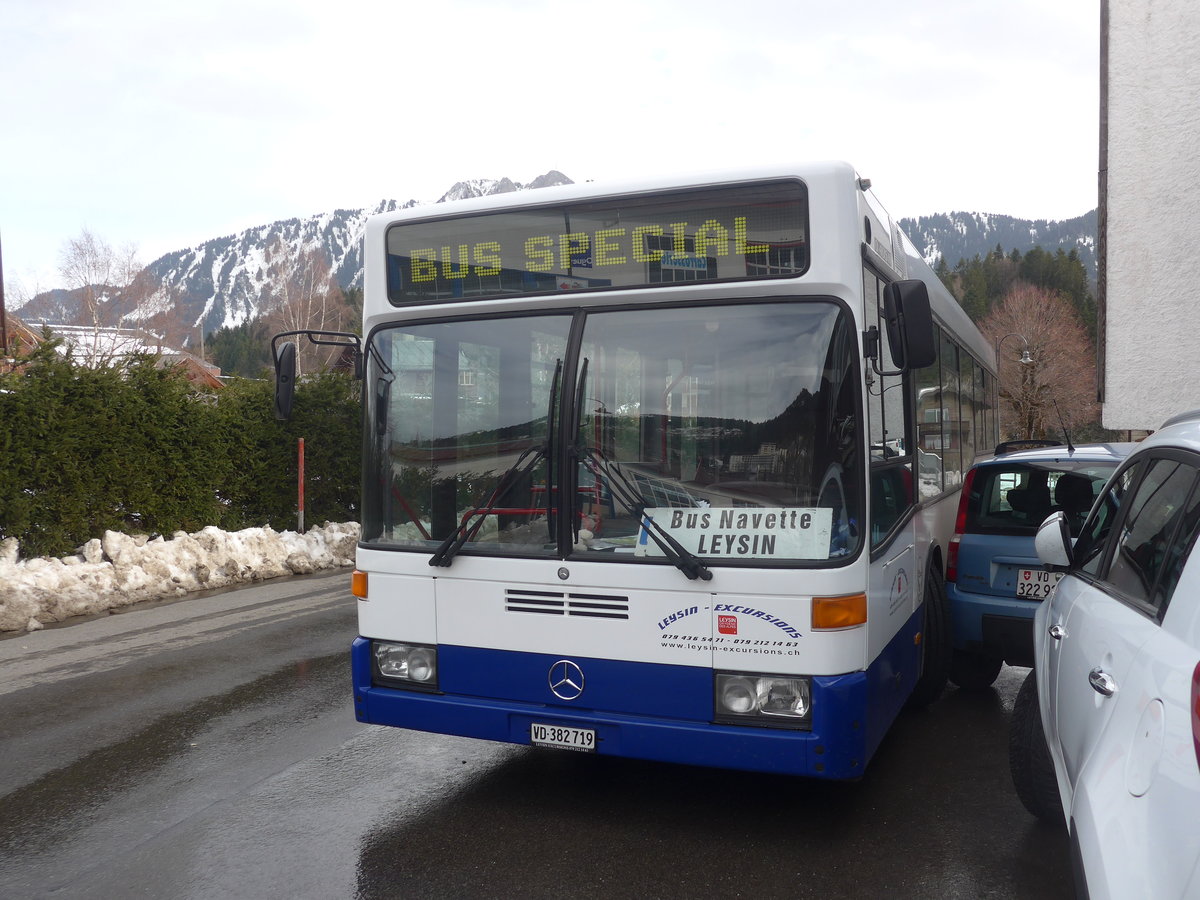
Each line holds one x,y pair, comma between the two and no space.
136,449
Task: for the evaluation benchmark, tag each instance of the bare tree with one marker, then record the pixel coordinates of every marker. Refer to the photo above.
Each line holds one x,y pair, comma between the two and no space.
1059,380
93,267
304,295
98,273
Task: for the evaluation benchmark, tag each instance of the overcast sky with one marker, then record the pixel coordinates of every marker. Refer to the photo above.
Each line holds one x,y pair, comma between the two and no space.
162,124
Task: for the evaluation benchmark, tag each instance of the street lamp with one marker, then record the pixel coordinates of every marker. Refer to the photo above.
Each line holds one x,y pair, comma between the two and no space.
1026,360
1026,356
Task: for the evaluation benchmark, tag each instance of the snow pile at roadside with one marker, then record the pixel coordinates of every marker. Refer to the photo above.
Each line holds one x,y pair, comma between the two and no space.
119,570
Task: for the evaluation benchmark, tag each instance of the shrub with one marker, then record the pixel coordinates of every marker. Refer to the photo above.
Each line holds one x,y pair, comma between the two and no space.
135,448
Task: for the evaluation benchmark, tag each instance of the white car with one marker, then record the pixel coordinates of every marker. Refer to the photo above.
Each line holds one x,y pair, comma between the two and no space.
1106,729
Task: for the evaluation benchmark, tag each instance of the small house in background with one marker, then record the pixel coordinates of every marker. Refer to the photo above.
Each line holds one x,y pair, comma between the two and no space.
96,346
19,339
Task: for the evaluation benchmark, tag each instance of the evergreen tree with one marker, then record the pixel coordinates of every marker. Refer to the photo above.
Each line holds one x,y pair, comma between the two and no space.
982,283
244,349
975,291
1000,273
354,300
1036,267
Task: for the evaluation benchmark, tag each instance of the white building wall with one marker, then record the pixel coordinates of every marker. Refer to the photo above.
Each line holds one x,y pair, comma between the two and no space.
1153,225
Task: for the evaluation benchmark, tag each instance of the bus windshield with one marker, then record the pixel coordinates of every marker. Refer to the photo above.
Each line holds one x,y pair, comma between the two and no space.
734,428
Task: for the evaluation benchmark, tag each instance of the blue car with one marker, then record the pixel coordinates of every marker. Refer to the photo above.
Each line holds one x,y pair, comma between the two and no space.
994,580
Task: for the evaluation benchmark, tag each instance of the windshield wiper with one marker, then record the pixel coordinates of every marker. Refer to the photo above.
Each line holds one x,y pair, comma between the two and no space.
629,496
467,528
551,409
530,457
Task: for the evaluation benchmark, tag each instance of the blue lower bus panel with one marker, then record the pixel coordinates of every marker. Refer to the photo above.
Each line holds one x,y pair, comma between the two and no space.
638,710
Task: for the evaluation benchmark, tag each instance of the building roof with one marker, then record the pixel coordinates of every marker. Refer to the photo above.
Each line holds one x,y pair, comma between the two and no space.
93,345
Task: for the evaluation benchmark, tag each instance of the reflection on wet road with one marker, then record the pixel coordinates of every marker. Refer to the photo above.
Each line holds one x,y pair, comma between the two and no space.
234,768
935,816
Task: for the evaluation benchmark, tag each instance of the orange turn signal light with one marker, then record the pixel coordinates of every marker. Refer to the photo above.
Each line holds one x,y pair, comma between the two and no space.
358,584
839,612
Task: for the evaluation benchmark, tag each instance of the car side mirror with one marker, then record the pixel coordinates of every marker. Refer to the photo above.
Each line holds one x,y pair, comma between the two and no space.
1053,541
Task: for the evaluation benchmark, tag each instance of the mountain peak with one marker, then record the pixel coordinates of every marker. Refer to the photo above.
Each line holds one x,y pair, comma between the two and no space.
963,235
485,187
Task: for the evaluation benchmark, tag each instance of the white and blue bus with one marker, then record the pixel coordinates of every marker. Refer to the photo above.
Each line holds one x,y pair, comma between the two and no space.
663,471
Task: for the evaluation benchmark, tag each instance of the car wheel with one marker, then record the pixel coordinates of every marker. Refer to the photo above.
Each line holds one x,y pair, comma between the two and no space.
1029,759
974,671
935,645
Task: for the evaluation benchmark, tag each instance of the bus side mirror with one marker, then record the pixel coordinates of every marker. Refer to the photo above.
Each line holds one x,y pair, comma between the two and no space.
909,324
285,380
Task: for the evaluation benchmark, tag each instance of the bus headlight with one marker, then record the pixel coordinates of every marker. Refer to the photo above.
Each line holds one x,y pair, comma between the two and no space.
404,665
771,700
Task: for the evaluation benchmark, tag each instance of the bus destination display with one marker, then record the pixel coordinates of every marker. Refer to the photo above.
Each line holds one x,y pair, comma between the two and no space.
739,232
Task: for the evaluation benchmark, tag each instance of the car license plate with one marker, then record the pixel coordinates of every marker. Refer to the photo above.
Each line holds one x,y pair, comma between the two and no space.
563,737
1036,584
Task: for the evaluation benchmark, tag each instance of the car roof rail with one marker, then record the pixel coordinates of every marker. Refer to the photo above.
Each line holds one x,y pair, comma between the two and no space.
1181,417
1029,444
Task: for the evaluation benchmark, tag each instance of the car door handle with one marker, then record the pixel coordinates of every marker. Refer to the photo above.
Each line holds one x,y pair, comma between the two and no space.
1102,682
1057,632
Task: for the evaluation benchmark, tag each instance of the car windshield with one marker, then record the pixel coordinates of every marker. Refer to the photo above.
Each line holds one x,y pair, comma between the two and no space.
1015,497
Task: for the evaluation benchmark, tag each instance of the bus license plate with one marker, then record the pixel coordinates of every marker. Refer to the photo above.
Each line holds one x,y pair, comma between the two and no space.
562,737
1036,584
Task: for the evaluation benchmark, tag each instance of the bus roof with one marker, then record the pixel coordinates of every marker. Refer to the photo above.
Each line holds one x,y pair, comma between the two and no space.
590,190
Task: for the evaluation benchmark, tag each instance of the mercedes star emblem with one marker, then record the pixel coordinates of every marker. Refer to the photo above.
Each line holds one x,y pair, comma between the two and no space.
566,680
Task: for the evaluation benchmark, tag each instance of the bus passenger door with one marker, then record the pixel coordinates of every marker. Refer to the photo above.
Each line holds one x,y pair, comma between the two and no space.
894,578
894,591
895,581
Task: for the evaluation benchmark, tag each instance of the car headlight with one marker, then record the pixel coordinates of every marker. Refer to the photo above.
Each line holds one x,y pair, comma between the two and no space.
404,665
770,700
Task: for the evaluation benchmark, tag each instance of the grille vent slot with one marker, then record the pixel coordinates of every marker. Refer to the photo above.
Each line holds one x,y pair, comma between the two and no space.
557,603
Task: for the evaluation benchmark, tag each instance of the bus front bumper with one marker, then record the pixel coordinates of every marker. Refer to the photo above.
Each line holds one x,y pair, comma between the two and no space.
838,746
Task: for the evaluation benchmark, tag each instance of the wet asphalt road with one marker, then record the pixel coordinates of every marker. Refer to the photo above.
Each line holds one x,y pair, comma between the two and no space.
207,749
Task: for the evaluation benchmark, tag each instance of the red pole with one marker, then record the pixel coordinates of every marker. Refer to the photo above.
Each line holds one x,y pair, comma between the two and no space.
301,506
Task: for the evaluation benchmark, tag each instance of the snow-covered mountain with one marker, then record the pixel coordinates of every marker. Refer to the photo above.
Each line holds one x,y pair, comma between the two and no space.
223,282
962,235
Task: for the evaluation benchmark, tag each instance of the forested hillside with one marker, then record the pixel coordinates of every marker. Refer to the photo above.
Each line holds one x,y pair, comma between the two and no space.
965,235
983,281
